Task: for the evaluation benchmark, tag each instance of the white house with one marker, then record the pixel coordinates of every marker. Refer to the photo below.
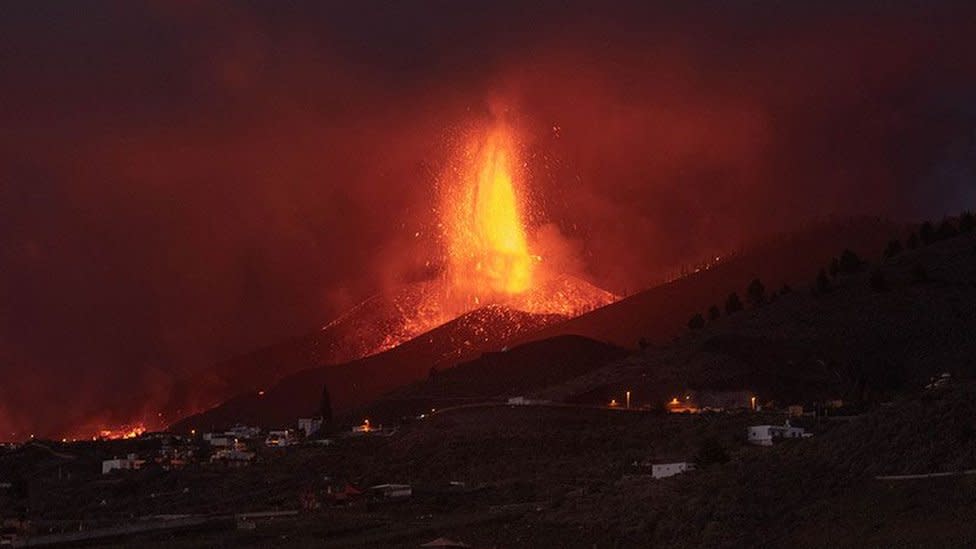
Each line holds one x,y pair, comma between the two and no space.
664,470
309,425
129,462
219,440
764,435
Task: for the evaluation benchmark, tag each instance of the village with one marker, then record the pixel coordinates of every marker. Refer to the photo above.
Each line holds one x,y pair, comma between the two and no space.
183,458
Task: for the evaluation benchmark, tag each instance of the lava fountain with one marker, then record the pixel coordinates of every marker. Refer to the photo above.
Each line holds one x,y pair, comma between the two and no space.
487,261
487,251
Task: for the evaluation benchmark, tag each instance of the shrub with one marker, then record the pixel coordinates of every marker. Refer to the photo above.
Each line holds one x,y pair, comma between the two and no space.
849,262
946,230
927,233
733,304
714,313
696,322
823,283
756,293
966,222
785,290
894,248
912,241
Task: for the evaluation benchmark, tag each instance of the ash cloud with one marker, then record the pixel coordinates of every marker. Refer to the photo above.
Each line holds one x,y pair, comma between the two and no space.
180,184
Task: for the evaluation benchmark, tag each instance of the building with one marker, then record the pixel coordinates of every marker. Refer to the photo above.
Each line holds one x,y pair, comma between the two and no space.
392,491
309,425
664,470
246,432
129,462
764,435
522,401
280,439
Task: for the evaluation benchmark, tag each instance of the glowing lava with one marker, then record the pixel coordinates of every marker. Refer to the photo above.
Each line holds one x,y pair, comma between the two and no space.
487,251
488,262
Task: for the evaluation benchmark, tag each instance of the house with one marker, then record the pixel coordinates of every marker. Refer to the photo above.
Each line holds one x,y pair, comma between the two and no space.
244,431
764,435
219,440
664,470
392,491
280,438
309,425
794,410
129,462
238,454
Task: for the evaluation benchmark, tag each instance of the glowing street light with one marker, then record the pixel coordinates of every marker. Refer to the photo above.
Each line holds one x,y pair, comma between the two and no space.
628,399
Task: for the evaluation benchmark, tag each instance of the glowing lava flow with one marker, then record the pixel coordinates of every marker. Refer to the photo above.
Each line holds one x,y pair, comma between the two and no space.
488,255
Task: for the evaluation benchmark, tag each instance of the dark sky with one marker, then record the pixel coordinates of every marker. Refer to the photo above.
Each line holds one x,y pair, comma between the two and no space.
182,183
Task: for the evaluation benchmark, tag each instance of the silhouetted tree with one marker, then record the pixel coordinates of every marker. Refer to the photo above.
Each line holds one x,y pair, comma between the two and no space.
919,274
823,283
834,267
849,262
878,282
325,406
714,313
927,233
733,304
966,222
696,322
912,241
711,452
756,293
643,343
946,230
785,290
893,248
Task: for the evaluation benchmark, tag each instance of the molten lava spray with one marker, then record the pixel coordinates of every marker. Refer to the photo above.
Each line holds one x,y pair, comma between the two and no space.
488,254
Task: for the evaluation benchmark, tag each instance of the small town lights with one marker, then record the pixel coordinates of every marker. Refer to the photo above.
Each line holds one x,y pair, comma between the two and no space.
628,399
613,403
752,403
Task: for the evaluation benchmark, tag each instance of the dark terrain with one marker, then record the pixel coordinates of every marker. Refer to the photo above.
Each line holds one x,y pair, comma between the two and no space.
571,473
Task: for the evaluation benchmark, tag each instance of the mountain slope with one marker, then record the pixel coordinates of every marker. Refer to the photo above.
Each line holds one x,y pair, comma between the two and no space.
661,313
358,382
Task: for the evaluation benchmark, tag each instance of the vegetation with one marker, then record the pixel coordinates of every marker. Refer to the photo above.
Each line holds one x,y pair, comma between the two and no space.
756,293
849,262
696,322
894,248
714,313
823,283
733,304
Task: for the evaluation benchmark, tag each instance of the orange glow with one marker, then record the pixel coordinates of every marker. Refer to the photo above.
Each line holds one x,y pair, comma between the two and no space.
124,432
488,254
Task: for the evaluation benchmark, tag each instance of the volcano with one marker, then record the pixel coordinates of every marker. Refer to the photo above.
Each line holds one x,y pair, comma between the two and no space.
490,287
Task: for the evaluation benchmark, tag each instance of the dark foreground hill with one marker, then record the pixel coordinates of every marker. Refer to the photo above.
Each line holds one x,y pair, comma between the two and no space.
856,341
359,382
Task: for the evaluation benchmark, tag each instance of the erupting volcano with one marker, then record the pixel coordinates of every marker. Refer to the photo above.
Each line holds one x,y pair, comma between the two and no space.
487,259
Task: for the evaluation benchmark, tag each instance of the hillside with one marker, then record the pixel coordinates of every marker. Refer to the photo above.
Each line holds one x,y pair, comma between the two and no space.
660,313
853,342
359,382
